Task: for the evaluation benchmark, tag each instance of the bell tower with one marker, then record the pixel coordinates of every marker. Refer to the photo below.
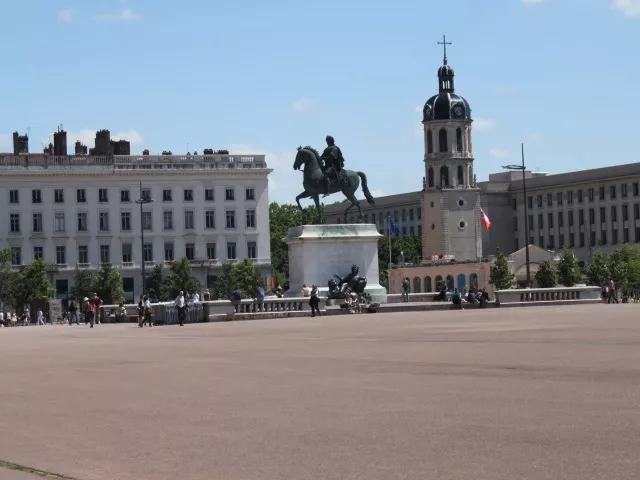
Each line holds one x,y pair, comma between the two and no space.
451,200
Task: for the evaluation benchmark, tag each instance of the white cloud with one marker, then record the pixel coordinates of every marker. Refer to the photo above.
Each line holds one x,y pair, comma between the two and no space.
419,108
125,15
483,124
528,3
376,193
533,137
285,183
67,15
499,153
5,140
302,104
629,8
132,136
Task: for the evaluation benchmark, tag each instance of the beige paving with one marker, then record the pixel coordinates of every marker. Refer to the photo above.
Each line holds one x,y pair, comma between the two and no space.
530,393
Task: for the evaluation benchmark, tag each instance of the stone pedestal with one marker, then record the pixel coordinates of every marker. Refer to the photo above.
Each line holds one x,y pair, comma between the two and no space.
317,252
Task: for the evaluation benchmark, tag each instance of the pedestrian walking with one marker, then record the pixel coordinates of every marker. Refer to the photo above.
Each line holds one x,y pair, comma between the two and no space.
181,305
73,313
612,297
147,311
141,311
314,301
40,317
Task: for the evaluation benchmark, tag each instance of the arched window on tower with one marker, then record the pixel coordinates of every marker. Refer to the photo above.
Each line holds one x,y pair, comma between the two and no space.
469,140
460,175
443,140
444,176
430,180
429,141
459,140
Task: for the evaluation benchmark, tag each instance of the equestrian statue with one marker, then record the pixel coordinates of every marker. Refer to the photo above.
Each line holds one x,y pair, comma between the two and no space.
325,174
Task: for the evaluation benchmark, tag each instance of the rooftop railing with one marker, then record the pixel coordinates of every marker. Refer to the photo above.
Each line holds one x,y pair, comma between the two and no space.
53,162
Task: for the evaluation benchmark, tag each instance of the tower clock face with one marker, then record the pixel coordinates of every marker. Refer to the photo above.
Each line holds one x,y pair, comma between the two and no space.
458,111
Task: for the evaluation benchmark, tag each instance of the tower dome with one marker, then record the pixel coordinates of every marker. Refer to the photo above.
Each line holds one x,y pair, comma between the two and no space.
446,105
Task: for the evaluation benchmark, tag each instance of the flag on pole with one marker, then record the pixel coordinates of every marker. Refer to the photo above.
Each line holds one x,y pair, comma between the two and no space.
393,228
485,219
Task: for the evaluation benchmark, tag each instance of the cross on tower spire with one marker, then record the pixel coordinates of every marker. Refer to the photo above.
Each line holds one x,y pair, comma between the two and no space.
445,43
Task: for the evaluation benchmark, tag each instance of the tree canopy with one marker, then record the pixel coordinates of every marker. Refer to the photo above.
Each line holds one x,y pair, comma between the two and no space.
410,246
181,279
546,276
83,284
281,219
501,277
107,284
31,285
5,275
568,269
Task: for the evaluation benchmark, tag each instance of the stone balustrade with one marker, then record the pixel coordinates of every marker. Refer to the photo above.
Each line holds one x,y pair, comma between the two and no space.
165,313
557,294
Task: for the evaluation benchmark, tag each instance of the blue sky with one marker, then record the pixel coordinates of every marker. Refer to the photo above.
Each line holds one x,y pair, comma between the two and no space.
266,76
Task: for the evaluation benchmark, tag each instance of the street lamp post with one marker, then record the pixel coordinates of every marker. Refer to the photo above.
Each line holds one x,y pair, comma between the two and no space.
142,201
526,227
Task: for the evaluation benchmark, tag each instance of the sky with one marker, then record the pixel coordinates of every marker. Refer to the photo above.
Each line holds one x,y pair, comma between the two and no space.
266,76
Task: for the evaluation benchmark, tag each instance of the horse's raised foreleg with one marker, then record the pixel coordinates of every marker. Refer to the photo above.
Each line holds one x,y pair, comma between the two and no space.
304,194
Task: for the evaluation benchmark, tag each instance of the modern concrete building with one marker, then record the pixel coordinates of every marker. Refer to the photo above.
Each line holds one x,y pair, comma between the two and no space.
597,209
81,211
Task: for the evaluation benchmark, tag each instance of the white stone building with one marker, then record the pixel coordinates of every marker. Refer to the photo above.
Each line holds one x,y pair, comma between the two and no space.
81,210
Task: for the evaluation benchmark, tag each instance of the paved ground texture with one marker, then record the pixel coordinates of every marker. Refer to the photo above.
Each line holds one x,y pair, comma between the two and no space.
524,394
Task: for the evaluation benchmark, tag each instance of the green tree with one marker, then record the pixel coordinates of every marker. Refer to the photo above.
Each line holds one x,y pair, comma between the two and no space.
156,283
281,219
568,269
501,278
410,247
598,269
618,268
228,281
248,278
5,276
83,284
180,279
546,275
31,285
107,284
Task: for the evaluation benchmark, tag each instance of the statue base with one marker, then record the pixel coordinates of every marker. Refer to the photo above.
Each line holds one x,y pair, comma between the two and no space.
317,252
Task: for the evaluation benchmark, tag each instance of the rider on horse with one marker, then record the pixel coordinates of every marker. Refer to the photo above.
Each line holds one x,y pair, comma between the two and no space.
333,163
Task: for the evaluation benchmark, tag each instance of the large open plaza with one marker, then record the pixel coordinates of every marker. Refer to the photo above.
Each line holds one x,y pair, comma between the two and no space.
518,393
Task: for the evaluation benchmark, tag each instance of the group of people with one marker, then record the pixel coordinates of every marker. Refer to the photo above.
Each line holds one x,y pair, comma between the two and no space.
11,318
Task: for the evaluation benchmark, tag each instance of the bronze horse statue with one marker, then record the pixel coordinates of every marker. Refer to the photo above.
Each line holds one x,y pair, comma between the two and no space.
313,183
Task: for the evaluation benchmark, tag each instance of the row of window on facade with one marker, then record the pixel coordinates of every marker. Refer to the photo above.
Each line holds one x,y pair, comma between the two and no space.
591,195
398,215
443,141
125,195
444,176
591,238
427,285
127,253
82,224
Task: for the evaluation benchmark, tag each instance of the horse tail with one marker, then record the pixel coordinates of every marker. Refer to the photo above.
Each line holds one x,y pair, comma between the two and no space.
365,188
